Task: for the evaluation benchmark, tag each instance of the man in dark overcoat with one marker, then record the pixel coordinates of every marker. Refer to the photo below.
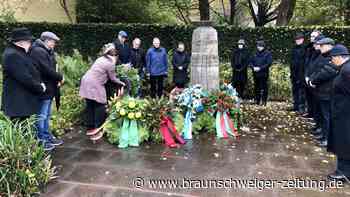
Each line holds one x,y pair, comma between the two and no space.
339,135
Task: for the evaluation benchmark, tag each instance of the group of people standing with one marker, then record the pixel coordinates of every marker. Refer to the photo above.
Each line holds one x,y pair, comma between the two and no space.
31,81
320,75
260,63
100,79
320,78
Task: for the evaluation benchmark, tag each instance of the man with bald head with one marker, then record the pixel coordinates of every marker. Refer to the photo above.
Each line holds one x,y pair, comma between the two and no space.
157,67
138,60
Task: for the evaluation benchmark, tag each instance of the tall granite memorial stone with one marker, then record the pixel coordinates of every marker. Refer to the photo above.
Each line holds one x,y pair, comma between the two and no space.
205,57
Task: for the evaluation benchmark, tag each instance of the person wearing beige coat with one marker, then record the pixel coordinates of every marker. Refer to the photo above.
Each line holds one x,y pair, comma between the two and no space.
92,89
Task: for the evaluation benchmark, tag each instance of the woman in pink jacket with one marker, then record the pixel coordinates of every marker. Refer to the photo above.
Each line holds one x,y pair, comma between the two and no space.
92,89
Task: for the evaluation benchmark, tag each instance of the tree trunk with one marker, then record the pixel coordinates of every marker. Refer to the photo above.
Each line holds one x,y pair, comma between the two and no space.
285,12
64,5
204,10
233,4
347,12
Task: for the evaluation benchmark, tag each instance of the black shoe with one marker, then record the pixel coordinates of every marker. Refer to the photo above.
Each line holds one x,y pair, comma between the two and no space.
337,176
323,143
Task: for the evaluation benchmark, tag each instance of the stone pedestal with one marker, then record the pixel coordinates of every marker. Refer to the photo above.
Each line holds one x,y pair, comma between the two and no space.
205,57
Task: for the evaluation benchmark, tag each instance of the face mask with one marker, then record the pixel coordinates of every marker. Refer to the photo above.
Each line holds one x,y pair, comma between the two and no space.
260,48
299,42
240,46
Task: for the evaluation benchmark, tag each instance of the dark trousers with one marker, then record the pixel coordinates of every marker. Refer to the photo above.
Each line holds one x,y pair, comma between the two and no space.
240,87
298,96
316,108
157,86
343,166
96,114
261,89
325,116
309,101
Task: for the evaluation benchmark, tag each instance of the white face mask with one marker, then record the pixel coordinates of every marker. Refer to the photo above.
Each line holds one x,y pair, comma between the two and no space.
260,48
240,46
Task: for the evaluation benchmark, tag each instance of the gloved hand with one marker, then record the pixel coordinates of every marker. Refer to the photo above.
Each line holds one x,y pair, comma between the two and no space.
311,84
43,86
307,80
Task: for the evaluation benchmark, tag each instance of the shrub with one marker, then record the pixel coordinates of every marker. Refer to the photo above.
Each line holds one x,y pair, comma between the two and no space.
279,81
24,165
73,67
70,112
89,38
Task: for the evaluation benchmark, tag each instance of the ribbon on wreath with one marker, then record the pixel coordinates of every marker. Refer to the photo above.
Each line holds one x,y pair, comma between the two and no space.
129,134
169,132
225,126
187,130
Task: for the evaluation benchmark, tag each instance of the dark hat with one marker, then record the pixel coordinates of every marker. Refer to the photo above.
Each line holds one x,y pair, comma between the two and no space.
123,34
325,41
318,38
339,50
260,43
19,34
299,36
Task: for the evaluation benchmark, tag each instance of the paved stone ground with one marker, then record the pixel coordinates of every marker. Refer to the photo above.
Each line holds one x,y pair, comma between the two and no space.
102,170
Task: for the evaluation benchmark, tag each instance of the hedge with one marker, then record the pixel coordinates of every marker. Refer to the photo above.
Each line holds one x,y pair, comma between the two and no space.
88,38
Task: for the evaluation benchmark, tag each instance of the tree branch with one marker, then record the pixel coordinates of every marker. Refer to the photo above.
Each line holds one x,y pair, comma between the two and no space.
64,5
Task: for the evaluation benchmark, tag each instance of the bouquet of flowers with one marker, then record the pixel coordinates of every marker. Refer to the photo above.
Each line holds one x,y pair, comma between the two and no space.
224,105
190,100
163,120
125,124
126,73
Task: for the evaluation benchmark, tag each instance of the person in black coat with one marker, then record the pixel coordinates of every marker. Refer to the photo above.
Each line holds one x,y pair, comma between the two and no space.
180,62
22,85
297,75
314,60
43,55
321,80
239,63
123,48
339,135
138,61
260,64
310,55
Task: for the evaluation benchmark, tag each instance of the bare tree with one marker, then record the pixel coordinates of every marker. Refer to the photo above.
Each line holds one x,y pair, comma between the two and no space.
285,12
265,11
64,5
233,4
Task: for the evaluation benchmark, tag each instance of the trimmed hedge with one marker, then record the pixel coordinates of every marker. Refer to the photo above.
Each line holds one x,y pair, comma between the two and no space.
89,38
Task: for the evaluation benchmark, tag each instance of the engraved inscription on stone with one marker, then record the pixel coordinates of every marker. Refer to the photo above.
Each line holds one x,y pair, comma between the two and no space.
205,58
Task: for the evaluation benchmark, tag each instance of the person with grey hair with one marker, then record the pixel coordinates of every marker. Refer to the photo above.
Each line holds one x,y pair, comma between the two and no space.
321,80
92,89
157,67
339,135
138,61
239,62
43,56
